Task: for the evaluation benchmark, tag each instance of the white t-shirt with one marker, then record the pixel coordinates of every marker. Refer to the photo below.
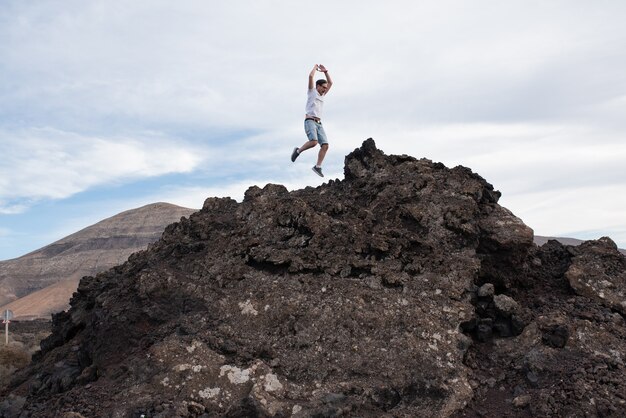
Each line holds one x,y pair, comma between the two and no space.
314,103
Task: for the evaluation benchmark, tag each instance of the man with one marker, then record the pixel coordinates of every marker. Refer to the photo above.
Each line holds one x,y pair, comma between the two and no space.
312,121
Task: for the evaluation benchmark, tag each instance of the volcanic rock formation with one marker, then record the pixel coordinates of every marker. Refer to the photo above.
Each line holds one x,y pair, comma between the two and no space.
540,240
42,282
403,290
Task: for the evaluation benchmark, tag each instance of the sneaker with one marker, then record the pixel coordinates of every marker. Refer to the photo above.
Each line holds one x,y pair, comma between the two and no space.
294,154
318,171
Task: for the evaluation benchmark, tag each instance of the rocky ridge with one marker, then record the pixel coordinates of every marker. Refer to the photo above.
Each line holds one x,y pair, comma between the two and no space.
540,240
403,290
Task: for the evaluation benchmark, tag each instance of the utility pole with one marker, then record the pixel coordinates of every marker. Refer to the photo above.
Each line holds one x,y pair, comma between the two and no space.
6,319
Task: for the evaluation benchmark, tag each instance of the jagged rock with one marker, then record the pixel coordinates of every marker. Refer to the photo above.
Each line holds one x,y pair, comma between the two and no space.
598,271
505,305
556,336
486,290
341,300
11,405
569,356
522,401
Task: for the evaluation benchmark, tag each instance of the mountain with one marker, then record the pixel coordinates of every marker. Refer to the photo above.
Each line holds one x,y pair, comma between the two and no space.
403,290
539,240
42,282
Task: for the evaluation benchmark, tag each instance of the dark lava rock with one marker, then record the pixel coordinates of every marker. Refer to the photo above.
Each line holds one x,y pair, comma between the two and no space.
598,271
350,299
556,336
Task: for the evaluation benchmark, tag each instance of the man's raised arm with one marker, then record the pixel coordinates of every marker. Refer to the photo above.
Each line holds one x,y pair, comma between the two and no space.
311,76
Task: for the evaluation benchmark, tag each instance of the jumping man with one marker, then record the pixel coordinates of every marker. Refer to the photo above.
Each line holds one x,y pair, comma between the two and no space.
312,121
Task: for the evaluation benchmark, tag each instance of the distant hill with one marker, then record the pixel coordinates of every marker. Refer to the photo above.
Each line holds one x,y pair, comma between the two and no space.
539,240
42,282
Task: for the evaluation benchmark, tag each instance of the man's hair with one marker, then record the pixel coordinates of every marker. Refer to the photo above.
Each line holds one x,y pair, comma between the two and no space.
320,82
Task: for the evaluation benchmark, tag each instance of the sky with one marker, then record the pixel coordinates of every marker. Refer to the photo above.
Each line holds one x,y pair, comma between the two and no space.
109,105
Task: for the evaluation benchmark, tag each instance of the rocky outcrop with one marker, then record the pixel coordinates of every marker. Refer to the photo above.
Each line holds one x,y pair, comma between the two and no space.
403,290
599,273
569,358
540,240
42,282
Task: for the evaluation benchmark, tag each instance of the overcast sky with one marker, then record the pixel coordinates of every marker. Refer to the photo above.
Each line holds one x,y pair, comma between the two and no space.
109,105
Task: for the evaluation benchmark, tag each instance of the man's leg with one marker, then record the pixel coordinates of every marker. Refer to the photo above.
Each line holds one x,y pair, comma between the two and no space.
321,138
323,141
307,145
321,154
311,133
296,151
310,128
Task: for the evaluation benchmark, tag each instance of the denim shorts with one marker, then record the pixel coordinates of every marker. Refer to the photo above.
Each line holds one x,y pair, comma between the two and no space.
315,132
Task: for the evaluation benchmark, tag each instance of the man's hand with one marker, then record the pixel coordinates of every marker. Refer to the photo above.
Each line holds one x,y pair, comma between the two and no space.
329,81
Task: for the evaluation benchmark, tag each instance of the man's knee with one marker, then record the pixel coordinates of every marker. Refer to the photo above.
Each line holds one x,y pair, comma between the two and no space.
325,146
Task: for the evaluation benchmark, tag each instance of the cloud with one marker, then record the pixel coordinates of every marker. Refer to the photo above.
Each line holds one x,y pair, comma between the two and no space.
232,66
221,67
50,164
583,212
8,208
521,155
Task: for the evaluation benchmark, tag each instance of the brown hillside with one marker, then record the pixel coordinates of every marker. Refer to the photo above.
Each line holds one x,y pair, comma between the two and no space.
49,276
